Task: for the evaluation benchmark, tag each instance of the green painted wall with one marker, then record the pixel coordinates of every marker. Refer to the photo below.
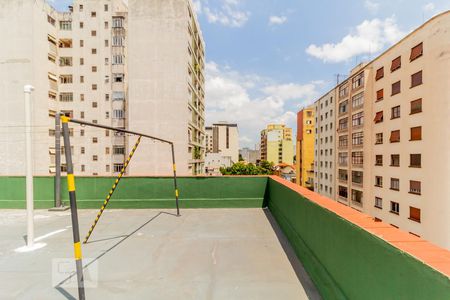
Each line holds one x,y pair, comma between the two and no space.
141,192
347,262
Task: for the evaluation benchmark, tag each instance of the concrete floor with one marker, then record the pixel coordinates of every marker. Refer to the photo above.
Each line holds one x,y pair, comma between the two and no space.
152,254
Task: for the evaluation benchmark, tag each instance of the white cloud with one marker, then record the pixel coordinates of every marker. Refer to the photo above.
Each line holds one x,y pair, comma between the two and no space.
371,36
253,101
429,7
372,6
277,20
227,13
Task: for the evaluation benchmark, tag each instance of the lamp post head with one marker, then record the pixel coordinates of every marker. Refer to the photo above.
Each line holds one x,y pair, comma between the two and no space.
28,88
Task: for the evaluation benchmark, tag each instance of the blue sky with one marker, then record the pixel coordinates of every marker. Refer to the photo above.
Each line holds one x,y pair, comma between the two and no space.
268,58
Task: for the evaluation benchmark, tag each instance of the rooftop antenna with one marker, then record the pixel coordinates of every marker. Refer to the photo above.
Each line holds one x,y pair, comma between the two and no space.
338,78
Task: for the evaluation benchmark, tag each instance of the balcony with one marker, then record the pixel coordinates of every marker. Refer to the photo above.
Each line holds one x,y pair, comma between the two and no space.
346,254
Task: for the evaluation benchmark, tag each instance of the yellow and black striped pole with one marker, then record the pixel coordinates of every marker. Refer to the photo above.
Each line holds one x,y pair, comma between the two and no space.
175,178
73,208
105,203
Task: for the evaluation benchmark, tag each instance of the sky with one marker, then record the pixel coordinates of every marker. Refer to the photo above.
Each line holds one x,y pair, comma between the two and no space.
266,59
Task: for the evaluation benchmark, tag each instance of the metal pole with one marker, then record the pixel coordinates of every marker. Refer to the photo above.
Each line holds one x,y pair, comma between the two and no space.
57,160
73,208
29,165
175,178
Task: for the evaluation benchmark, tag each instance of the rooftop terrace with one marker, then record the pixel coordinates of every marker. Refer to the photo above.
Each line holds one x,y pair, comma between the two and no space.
226,248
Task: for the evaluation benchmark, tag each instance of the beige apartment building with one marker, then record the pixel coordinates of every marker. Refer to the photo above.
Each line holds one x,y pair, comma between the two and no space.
225,140
88,62
392,139
324,145
277,145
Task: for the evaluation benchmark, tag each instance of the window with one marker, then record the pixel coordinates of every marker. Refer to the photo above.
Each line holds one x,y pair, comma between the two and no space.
380,95
64,79
414,214
378,117
93,33
379,181
107,168
378,138
343,107
395,207
357,158
395,112
378,202
343,158
416,133
93,14
94,87
65,25
117,22
83,150
65,61
106,7
358,119
357,177
106,114
358,80
396,87
81,132
83,168
343,176
343,192
81,79
396,64
357,196
94,140
118,77
94,51
118,150
395,136
106,43
358,100
81,24
395,160
379,74
118,168
66,97
416,106
106,61
94,104
416,79
106,97
415,160
94,69
118,96
50,20
395,184
82,114
81,7
81,61
117,41
414,187
95,157
343,141
81,97
416,52
118,114
378,160
357,138
117,59
343,124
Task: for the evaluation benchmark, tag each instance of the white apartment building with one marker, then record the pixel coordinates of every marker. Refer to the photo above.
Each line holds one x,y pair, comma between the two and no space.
324,144
79,63
225,140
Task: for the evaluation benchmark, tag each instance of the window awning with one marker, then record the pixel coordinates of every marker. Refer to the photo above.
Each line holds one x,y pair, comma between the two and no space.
396,63
416,52
52,76
395,136
380,73
378,117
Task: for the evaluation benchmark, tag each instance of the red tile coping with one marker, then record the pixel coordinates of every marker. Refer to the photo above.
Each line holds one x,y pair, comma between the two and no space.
436,257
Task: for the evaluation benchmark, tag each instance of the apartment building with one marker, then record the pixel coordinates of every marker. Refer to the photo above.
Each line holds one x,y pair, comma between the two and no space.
305,148
209,139
277,145
350,107
225,140
78,63
250,155
324,145
391,141
167,85
409,142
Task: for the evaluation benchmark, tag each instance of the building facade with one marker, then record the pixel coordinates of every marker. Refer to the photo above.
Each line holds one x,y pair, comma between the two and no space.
79,63
277,145
324,145
250,155
305,148
225,140
392,136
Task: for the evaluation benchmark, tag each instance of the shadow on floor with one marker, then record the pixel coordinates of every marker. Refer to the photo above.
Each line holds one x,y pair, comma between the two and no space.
65,293
302,275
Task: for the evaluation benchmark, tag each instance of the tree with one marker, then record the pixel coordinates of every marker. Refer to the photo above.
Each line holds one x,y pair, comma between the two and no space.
240,168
